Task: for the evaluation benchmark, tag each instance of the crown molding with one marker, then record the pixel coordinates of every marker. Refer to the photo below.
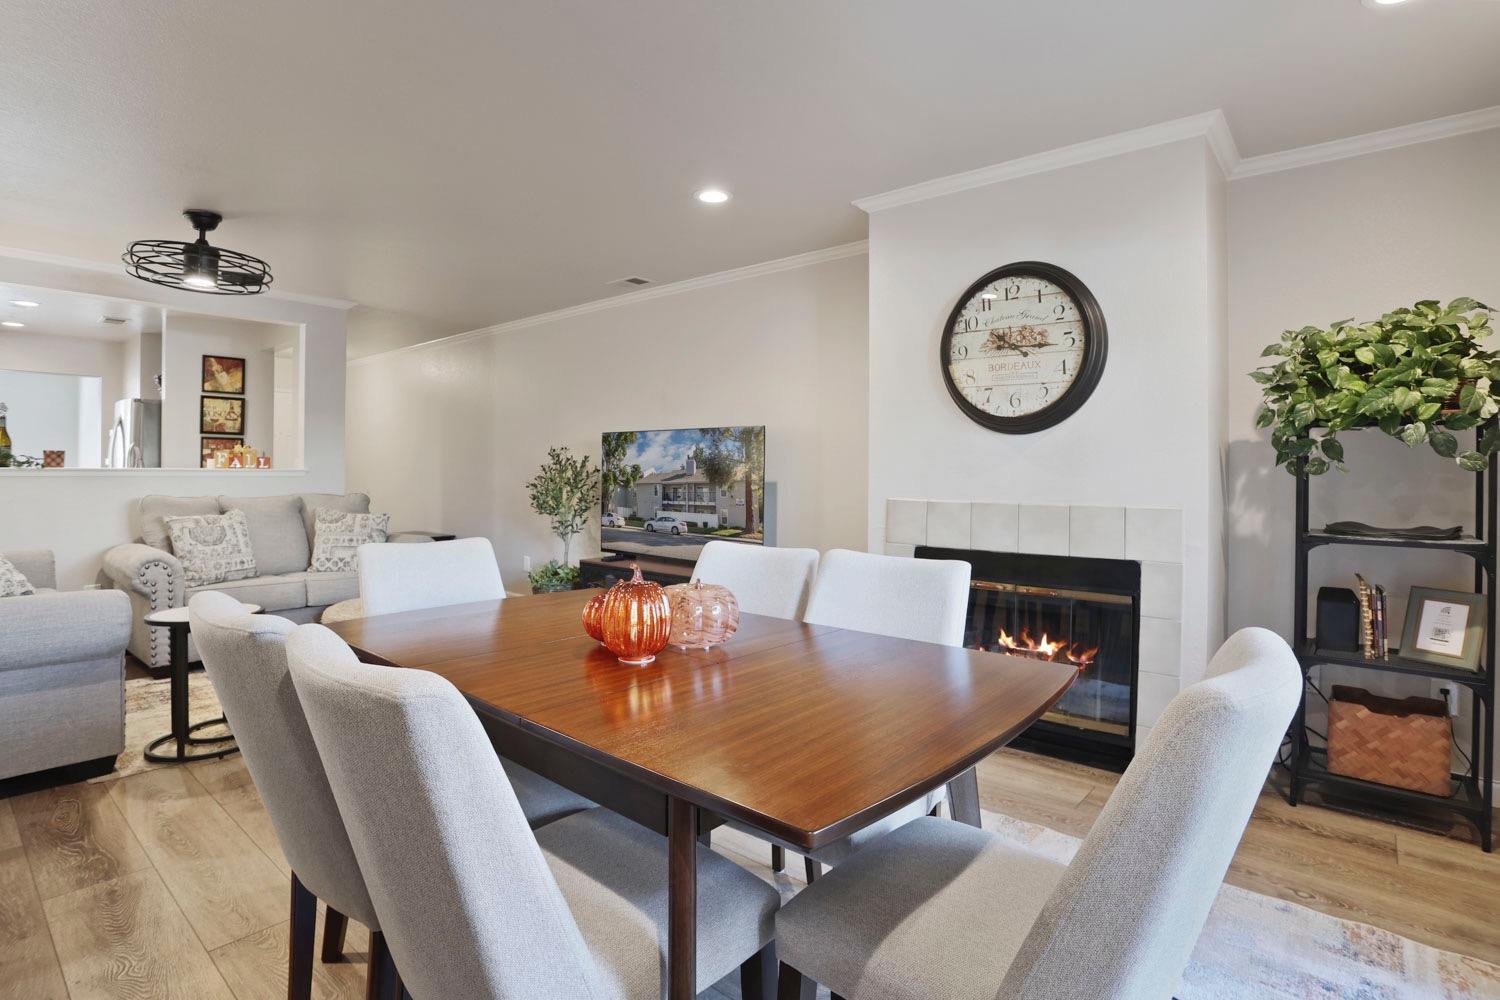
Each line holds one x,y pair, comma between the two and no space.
101,267
1211,126
1371,142
632,298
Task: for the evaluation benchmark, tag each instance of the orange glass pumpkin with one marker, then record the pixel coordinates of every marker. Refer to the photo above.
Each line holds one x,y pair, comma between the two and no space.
591,615
703,615
636,619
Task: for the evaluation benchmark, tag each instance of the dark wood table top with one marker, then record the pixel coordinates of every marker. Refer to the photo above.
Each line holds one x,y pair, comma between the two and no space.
804,731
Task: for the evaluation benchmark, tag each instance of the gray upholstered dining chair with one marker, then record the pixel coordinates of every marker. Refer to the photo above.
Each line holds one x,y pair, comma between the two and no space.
922,599
774,582
477,905
396,578
942,909
245,656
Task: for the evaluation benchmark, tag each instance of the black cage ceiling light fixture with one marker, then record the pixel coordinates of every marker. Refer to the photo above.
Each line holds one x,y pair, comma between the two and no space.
197,266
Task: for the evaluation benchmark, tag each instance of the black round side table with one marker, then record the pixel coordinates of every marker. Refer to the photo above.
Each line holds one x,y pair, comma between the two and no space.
175,621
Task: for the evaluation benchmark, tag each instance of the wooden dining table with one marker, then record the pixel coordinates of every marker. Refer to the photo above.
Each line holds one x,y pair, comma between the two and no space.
805,732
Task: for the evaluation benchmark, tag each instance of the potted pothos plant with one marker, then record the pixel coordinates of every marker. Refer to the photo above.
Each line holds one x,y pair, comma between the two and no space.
1418,373
565,490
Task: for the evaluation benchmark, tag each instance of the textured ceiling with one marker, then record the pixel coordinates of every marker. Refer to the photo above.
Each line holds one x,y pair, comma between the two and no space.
450,165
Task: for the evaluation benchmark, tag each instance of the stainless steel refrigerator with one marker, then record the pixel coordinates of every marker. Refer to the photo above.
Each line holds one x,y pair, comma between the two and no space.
135,436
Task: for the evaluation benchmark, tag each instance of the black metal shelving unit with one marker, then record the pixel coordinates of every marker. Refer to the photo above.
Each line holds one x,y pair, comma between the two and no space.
1472,791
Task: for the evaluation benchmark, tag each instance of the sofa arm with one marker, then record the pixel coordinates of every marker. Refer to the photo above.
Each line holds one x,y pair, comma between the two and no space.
153,573
63,627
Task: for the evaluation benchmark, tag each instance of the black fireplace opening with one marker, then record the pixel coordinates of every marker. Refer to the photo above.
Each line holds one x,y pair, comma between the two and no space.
1066,609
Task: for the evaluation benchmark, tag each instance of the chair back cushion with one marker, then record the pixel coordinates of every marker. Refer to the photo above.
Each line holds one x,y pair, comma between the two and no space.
276,532
1136,896
245,656
765,581
466,898
922,599
396,578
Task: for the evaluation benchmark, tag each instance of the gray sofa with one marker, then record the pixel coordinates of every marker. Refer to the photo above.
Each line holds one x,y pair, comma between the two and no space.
281,535
62,674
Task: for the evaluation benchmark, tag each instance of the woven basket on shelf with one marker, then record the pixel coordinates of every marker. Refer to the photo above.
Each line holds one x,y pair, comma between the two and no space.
1402,742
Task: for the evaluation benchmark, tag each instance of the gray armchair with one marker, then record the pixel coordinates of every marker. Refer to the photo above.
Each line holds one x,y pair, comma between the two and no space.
62,674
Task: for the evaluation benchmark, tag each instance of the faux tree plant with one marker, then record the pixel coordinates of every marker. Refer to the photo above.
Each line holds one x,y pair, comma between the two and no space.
1419,374
565,490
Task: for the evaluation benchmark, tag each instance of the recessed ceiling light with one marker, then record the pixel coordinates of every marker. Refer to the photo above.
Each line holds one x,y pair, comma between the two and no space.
11,323
712,196
24,303
1378,4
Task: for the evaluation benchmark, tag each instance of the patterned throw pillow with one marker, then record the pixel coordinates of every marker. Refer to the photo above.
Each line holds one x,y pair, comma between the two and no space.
338,534
12,582
213,548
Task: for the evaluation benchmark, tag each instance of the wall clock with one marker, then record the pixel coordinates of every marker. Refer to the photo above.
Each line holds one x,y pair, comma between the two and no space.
1024,347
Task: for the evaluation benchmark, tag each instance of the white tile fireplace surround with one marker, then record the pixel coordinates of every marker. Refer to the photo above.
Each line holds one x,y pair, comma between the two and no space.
1151,536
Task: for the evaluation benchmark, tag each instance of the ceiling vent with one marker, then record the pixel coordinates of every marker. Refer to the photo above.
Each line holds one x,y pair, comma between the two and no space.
634,281
113,320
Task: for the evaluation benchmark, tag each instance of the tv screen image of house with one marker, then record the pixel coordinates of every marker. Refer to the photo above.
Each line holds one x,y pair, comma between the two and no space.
667,492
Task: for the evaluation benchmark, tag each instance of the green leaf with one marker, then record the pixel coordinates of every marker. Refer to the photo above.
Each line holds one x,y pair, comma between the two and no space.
1272,350
1366,355
1263,376
1444,443
1426,411
1464,304
1266,417
1315,467
1414,434
1473,461
1303,413
1333,448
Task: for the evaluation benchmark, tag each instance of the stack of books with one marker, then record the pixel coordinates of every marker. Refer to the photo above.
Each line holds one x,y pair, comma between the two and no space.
1374,642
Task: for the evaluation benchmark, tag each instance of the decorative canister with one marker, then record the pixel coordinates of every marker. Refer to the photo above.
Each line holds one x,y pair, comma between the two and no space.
592,612
636,619
703,614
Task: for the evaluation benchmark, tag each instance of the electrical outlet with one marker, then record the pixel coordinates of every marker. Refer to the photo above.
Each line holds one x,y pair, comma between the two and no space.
526,563
1448,691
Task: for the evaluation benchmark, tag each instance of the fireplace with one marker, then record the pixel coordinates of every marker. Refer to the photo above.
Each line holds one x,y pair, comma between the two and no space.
1069,610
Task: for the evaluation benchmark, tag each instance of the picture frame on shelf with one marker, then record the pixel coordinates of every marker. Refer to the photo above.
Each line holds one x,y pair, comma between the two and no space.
223,375
1444,628
221,415
209,446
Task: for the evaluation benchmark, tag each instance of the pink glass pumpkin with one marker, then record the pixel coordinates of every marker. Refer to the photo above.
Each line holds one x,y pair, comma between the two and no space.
703,614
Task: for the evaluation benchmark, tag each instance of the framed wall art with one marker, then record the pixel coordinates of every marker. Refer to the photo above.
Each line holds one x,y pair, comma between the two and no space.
220,415
223,375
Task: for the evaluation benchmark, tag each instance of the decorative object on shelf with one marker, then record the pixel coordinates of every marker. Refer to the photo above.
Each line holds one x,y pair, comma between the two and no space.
552,577
1402,742
197,266
1382,616
221,415
636,620
6,456
1366,617
1444,628
210,448
1417,373
703,615
1023,348
1338,620
1421,532
223,375
54,459
593,613
565,490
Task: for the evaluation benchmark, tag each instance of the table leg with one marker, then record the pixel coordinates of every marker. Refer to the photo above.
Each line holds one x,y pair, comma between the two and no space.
963,797
179,689
682,892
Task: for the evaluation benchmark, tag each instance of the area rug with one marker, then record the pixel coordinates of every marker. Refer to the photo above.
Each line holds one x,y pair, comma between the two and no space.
1255,947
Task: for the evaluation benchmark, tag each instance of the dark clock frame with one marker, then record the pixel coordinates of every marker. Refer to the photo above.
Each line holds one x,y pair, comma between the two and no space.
1096,350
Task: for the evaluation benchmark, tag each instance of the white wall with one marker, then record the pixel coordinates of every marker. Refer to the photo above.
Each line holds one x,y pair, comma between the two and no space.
1351,238
104,359
1138,231
446,436
52,412
81,514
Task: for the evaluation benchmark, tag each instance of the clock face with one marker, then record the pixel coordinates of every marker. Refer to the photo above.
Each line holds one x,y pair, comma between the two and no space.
1023,348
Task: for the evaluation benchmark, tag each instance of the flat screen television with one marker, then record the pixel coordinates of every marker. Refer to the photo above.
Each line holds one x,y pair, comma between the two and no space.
668,492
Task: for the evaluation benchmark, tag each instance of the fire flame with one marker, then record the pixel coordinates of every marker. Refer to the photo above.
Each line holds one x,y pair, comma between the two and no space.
1048,649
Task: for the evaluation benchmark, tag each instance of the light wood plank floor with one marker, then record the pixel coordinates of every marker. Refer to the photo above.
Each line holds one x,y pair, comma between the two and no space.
170,884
